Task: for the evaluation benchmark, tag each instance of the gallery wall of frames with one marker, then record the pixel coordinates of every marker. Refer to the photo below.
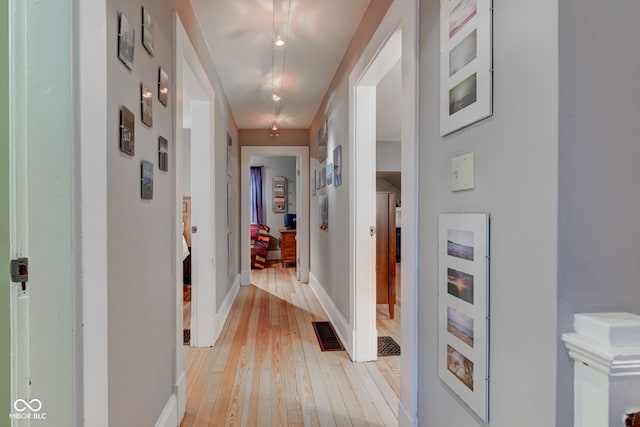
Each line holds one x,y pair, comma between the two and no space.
154,86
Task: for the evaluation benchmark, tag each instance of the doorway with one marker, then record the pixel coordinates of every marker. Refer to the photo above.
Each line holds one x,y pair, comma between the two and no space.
396,38
301,154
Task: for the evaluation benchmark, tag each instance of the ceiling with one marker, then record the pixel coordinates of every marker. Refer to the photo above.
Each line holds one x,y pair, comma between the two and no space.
240,34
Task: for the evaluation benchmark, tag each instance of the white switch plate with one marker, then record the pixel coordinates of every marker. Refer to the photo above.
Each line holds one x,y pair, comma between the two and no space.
462,173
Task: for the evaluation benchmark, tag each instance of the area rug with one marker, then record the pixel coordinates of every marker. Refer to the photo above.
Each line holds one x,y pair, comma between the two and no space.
388,347
327,337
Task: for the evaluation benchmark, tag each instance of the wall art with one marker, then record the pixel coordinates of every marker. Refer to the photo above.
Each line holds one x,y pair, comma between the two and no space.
466,64
324,212
163,154
127,131
330,174
146,103
163,86
146,180
323,140
147,31
463,308
126,41
337,166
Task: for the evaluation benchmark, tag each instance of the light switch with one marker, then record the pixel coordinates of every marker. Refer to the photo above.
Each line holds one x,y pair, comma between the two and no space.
462,173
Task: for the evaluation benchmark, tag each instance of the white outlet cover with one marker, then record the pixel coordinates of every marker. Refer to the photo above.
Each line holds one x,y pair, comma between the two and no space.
462,173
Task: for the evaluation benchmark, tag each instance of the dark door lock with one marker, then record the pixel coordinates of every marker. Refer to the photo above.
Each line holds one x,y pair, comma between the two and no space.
20,271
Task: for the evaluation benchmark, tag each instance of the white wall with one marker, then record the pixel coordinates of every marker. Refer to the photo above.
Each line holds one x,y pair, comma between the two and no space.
277,166
599,239
388,156
186,162
516,161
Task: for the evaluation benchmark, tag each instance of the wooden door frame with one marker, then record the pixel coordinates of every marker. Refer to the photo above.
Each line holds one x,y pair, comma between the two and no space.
302,216
379,56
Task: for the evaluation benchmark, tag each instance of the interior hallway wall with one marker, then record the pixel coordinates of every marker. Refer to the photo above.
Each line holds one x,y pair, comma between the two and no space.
141,287
330,249
516,179
5,254
599,237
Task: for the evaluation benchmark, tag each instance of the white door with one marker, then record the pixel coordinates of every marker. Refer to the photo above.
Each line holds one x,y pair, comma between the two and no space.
41,212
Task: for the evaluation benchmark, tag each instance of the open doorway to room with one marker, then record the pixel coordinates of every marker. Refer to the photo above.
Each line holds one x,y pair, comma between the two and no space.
388,222
284,179
195,202
273,206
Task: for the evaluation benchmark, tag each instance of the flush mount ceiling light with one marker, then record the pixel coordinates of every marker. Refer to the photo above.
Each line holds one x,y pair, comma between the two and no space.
275,97
274,126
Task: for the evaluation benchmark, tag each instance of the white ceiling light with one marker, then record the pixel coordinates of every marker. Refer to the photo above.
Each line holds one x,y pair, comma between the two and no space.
276,105
278,41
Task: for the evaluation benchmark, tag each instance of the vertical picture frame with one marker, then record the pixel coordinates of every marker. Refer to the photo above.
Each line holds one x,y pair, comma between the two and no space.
163,86
146,180
466,63
127,131
163,154
337,166
146,105
463,308
147,31
126,41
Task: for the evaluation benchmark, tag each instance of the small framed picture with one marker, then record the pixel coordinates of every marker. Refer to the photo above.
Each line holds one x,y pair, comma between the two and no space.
146,102
127,131
126,41
337,166
146,180
163,86
163,154
147,31
330,174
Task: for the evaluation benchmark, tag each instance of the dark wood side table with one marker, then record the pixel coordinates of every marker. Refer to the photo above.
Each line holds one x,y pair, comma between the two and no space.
287,245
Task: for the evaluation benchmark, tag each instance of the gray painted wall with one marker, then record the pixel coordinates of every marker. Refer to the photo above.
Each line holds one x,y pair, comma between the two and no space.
516,154
388,156
599,239
141,286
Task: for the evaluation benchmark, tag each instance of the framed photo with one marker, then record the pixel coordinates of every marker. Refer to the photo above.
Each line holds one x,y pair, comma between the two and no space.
314,182
463,308
147,31
146,180
324,212
323,177
323,139
126,41
330,174
337,166
146,102
466,63
127,131
163,86
163,154
229,155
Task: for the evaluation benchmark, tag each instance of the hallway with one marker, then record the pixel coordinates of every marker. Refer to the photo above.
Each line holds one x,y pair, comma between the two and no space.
267,368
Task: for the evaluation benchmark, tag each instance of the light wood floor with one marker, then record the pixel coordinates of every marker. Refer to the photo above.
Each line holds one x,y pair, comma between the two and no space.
267,368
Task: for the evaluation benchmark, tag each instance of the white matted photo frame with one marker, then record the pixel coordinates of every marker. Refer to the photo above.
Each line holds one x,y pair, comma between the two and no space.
466,63
463,308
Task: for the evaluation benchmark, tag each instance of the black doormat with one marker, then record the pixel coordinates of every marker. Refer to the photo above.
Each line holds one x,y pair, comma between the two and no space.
186,336
327,337
388,347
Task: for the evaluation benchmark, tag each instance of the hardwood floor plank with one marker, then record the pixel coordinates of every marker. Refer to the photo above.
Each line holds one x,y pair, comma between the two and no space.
267,368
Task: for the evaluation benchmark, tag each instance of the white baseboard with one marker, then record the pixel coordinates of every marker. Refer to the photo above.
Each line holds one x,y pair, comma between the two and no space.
342,327
180,390
169,415
273,255
225,309
245,278
405,419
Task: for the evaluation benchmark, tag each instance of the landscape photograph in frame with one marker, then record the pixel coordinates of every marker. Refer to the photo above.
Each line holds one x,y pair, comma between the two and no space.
126,41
